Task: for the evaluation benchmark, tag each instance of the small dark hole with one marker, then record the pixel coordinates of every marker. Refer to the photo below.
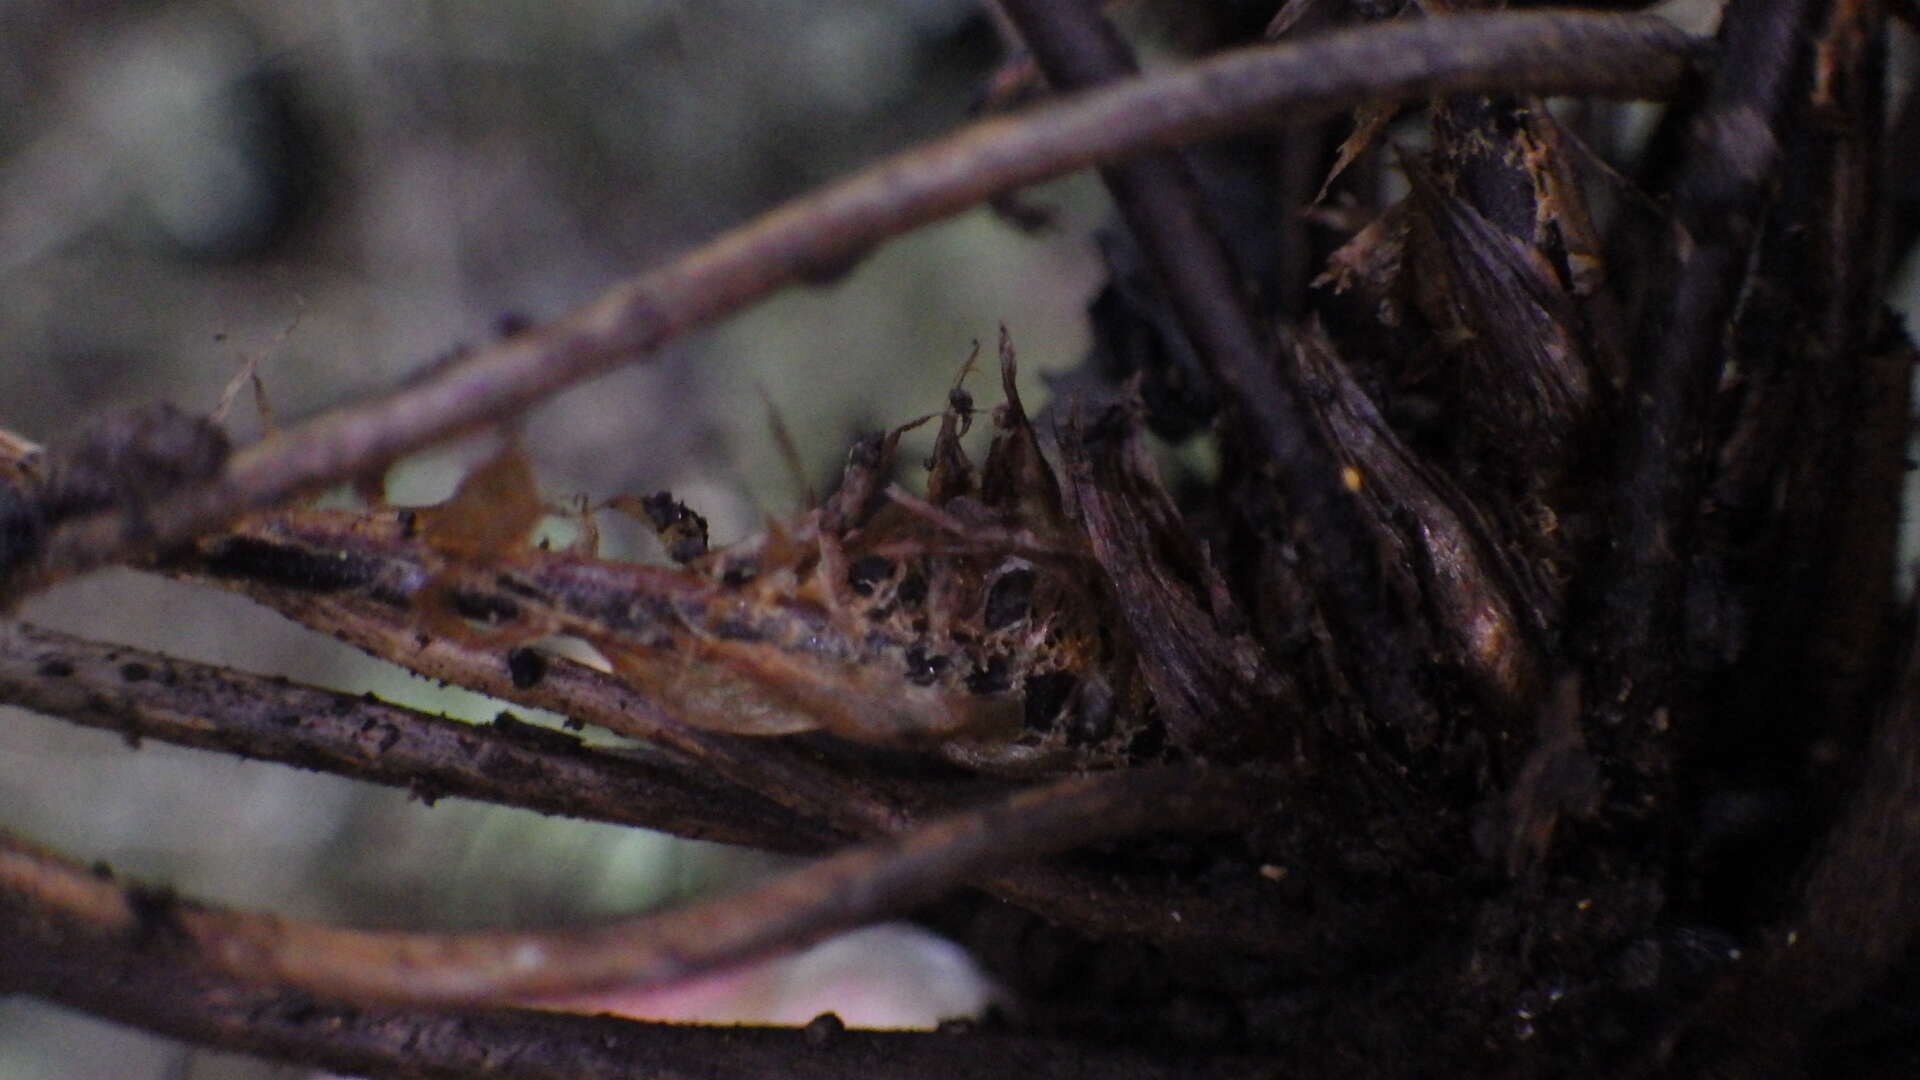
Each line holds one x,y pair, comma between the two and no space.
1008,599
867,572
913,590
924,670
990,679
1045,696
526,668
484,608
1150,743
736,630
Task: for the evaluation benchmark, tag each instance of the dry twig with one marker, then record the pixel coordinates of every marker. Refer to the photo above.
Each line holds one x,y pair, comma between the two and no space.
117,968
791,910
820,236
1718,201
852,803
147,695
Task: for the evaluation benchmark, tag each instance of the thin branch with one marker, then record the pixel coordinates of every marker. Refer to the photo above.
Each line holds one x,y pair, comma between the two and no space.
1157,195
856,805
773,769
104,963
149,695
1903,185
335,596
794,909
820,236
1719,199
342,576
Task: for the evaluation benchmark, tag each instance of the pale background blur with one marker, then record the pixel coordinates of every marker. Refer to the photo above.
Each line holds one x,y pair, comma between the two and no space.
348,190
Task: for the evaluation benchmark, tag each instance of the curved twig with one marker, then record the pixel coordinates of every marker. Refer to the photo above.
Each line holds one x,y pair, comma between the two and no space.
854,805
791,910
149,695
820,236
101,963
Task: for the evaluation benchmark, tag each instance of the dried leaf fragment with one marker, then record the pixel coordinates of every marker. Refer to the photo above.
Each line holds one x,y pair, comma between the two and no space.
491,513
1526,382
1212,685
681,531
1426,525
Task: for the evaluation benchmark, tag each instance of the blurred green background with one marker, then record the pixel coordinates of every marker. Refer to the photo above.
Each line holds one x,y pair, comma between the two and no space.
347,190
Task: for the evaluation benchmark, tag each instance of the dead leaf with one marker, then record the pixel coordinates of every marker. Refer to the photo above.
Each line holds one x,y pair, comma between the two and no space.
1368,122
681,531
491,513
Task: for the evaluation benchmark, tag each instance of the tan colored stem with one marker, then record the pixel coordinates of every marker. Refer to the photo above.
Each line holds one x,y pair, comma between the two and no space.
799,907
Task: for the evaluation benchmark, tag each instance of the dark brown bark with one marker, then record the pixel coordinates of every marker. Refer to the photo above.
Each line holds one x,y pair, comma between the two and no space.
146,695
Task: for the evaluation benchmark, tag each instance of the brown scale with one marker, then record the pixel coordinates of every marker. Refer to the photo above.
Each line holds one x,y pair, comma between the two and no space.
982,596
973,624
